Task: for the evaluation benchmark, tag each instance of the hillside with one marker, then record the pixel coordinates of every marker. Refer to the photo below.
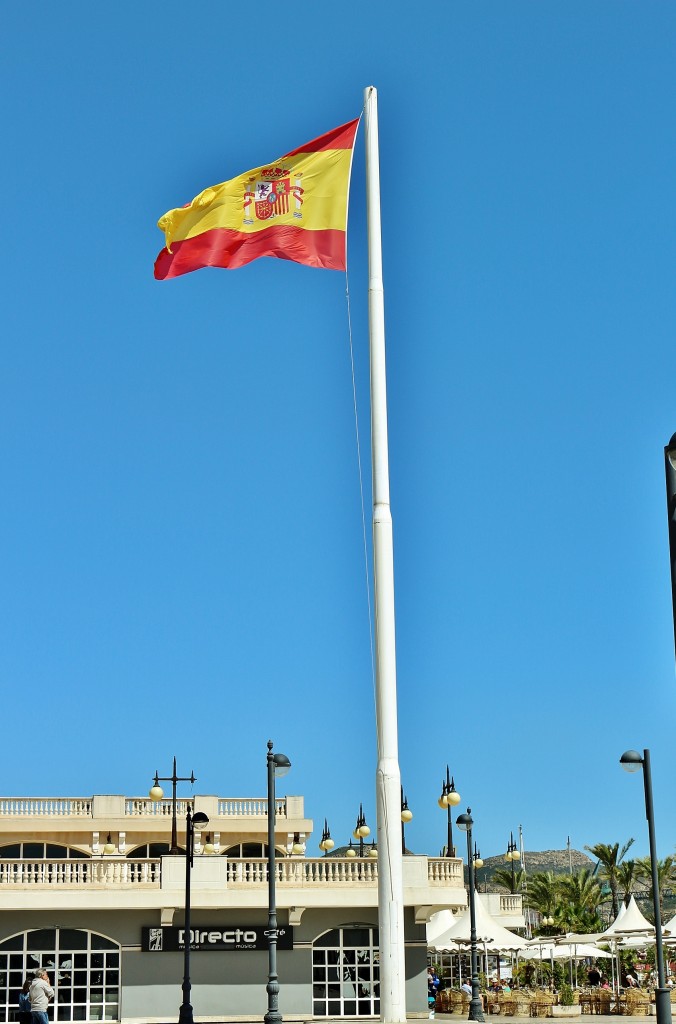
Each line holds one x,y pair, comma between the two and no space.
557,861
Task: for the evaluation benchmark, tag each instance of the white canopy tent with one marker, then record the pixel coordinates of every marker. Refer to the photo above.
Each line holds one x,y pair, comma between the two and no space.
631,922
449,933
446,932
669,931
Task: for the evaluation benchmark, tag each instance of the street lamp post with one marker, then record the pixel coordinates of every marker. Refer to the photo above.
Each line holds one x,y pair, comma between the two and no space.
156,794
449,798
278,765
326,842
361,830
631,761
406,815
192,821
670,471
512,856
464,822
478,863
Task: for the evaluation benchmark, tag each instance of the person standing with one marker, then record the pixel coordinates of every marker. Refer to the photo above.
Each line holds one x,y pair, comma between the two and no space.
40,995
24,1004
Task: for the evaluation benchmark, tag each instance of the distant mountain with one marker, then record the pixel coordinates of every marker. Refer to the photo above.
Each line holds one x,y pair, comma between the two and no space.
559,862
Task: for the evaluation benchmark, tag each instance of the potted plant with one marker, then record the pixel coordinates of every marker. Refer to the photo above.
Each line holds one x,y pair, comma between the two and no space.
567,1007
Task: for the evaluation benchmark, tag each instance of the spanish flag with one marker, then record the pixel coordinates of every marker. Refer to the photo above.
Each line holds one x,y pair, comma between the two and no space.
294,208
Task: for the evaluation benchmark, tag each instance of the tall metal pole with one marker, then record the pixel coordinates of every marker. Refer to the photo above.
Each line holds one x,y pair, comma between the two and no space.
670,472
662,994
475,1005
388,776
449,829
185,1012
272,1015
192,821
631,761
173,778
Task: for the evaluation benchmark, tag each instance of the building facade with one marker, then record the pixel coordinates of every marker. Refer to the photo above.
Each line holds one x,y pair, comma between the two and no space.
89,891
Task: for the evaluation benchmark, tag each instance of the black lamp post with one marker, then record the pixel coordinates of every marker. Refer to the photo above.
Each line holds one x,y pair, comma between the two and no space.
406,815
278,765
192,821
512,856
631,761
464,821
670,471
156,794
326,842
478,863
449,798
361,830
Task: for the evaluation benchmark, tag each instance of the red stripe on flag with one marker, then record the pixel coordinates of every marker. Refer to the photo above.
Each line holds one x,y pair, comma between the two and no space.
228,249
337,138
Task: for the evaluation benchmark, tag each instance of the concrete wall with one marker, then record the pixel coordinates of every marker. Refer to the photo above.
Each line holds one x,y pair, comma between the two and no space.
223,983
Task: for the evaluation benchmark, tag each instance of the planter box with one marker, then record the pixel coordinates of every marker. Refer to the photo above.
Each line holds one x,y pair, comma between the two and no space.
566,1011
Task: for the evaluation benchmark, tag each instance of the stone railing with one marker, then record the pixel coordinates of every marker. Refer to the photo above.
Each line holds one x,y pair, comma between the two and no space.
445,871
47,806
299,871
511,904
122,872
249,807
56,874
134,806
144,807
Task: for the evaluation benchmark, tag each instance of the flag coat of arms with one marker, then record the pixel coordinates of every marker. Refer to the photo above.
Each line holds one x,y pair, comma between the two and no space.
294,208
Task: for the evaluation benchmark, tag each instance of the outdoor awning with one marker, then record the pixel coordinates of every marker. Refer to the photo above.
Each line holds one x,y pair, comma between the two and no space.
490,934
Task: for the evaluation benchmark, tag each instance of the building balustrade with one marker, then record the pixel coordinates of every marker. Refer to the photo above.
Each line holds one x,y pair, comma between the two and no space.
249,807
52,806
136,807
126,873
144,807
511,904
54,874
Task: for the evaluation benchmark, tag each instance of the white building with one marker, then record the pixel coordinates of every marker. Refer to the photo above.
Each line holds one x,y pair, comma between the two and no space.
89,892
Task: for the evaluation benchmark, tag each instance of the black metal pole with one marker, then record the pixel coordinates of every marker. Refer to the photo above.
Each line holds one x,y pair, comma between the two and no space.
448,788
185,1012
403,835
475,1004
174,830
670,472
273,1016
662,994
174,778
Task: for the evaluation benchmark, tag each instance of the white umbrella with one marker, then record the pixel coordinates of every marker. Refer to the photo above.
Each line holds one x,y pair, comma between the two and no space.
581,952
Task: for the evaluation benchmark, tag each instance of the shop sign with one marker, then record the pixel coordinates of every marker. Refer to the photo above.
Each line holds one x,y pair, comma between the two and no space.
228,937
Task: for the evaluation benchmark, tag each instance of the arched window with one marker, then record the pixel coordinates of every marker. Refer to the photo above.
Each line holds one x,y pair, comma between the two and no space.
247,850
151,850
40,851
83,968
346,973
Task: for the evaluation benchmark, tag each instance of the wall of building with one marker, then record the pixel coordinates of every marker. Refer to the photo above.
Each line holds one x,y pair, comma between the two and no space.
224,983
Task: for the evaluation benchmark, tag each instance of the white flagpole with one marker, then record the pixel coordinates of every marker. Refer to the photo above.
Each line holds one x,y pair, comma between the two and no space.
388,777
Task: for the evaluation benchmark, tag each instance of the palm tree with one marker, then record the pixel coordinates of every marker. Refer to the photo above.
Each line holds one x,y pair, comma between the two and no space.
609,858
666,877
580,897
627,876
503,876
542,894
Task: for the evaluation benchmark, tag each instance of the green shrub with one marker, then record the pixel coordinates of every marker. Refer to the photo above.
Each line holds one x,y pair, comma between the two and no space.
566,995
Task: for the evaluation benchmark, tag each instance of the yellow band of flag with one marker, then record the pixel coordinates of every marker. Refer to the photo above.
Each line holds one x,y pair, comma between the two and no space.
295,208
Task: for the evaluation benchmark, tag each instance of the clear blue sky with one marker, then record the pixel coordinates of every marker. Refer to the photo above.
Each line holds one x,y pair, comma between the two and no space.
180,530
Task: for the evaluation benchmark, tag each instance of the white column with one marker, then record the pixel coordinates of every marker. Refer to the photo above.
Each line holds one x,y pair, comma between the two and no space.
388,779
